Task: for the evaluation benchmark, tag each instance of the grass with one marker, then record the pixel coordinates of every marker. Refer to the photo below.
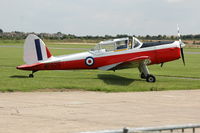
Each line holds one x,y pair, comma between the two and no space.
127,80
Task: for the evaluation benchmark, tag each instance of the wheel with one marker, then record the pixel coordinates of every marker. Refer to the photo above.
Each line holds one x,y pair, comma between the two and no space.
142,76
30,76
151,78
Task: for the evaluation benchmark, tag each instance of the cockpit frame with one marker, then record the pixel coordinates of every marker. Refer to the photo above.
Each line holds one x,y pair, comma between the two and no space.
115,45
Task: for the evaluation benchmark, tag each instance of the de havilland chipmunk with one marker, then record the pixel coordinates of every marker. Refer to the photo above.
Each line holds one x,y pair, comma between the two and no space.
107,55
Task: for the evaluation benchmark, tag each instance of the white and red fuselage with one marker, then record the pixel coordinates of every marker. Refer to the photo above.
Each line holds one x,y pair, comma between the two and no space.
100,58
157,54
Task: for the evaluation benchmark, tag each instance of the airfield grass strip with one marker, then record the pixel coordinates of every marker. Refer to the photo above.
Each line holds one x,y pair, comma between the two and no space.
169,77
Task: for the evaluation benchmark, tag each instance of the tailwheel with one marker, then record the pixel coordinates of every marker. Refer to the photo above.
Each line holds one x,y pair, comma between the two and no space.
151,78
142,76
30,75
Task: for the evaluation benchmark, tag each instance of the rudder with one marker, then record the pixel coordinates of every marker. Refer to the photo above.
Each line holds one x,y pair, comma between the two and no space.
35,50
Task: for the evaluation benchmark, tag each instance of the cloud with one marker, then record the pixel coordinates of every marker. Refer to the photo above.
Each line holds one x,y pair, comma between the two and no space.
100,17
175,1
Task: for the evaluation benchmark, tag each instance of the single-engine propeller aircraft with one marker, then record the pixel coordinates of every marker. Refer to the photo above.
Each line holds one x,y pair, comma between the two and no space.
107,55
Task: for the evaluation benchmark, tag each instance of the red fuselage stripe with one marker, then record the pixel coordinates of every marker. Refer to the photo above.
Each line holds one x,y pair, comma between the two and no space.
156,57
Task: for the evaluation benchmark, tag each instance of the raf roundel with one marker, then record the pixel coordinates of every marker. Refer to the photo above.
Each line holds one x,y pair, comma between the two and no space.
89,61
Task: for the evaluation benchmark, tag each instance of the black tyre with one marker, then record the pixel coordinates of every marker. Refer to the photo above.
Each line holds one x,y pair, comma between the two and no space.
151,78
142,76
30,76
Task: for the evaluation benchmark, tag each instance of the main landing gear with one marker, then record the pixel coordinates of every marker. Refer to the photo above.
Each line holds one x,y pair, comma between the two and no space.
31,75
145,73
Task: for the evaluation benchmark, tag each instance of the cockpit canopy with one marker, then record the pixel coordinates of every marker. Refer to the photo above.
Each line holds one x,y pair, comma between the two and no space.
117,45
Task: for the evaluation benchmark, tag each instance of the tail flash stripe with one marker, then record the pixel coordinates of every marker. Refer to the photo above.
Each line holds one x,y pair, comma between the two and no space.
38,49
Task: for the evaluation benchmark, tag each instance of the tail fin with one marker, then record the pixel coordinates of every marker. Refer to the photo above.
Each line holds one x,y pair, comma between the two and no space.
35,50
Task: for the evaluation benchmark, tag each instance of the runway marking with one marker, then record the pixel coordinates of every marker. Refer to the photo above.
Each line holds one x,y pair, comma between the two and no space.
16,46
176,77
192,52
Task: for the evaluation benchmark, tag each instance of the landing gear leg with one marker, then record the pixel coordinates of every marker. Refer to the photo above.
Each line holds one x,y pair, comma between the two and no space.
144,73
31,75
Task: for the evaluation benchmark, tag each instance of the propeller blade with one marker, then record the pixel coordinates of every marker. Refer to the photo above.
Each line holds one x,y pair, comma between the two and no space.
181,45
182,55
179,35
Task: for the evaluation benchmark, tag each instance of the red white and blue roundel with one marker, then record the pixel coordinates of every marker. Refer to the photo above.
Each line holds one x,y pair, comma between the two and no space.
89,61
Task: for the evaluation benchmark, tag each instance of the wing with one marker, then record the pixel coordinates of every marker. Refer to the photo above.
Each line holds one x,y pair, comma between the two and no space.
130,63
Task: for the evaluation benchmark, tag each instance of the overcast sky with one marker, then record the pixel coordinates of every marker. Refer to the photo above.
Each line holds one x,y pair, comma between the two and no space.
100,17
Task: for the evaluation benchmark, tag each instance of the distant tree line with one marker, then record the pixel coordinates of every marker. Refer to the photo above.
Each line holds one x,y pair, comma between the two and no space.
16,35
